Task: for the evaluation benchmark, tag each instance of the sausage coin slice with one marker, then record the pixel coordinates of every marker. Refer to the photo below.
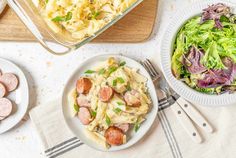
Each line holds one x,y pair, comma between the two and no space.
10,81
105,94
83,85
114,136
3,90
83,101
5,107
84,115
2,118
132,98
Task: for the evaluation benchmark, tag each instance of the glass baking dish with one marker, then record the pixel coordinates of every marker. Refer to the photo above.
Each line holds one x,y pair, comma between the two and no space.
30,16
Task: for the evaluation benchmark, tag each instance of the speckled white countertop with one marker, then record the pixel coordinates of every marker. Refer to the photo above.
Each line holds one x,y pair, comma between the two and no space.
47,74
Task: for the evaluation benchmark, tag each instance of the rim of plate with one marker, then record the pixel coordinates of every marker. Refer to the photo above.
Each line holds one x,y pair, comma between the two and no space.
168,40
151,120
22,80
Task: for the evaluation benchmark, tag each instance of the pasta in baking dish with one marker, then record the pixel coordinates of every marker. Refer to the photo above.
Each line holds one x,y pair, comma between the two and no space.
81,18
110,100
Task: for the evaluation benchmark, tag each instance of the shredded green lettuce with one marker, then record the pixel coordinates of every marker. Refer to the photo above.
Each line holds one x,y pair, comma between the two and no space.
176,61
212,58
216,43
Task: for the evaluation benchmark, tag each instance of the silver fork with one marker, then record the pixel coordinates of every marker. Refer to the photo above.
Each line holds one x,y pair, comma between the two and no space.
182,109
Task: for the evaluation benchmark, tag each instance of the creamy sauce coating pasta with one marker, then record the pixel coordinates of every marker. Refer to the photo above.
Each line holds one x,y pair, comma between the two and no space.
81,18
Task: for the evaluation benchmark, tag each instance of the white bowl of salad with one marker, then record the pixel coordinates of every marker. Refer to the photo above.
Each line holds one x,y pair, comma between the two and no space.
198,53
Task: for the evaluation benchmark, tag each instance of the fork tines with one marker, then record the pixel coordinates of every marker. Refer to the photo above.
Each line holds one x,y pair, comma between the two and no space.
150,68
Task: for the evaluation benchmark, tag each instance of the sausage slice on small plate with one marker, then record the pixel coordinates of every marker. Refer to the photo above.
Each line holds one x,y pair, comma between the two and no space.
5,107
3,90
2,118
9,80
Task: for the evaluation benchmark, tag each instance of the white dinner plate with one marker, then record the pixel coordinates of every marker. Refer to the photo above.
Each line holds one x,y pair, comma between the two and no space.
78,129
19,97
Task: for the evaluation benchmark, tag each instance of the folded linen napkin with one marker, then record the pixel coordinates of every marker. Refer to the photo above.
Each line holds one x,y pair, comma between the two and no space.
166,138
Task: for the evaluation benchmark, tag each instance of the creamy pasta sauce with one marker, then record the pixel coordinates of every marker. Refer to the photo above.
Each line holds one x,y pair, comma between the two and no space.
81,18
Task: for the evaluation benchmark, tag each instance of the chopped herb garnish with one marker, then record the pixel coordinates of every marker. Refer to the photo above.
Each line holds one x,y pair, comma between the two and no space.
136,126
112,69
128,88
117,110
122,63
120,103
108,120
120,80
95,15
89,72
58,18
76,107
117,80
93,113
68,16
63,18
46,1
102,71
114,83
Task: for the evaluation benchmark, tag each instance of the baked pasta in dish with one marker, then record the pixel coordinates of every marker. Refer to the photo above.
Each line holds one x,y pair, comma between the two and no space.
81,18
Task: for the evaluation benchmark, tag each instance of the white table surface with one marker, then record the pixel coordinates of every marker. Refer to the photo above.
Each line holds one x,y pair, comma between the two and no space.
47,74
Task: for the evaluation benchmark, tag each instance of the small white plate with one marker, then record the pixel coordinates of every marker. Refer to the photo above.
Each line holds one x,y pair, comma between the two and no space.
19,97
167,47
74,123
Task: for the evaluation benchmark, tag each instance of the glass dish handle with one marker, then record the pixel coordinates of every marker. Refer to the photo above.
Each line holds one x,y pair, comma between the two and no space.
33,28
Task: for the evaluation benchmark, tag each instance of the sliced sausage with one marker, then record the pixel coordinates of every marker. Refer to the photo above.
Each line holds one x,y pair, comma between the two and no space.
2,118
5,107
106,93
84,115
132,98
114,136
83,85
3,90
83,101
10,81
123,126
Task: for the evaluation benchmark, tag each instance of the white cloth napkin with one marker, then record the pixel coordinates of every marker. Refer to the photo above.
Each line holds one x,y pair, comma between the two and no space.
166,139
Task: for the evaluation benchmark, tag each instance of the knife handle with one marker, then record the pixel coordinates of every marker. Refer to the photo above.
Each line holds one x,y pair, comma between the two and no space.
186,123
195,115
